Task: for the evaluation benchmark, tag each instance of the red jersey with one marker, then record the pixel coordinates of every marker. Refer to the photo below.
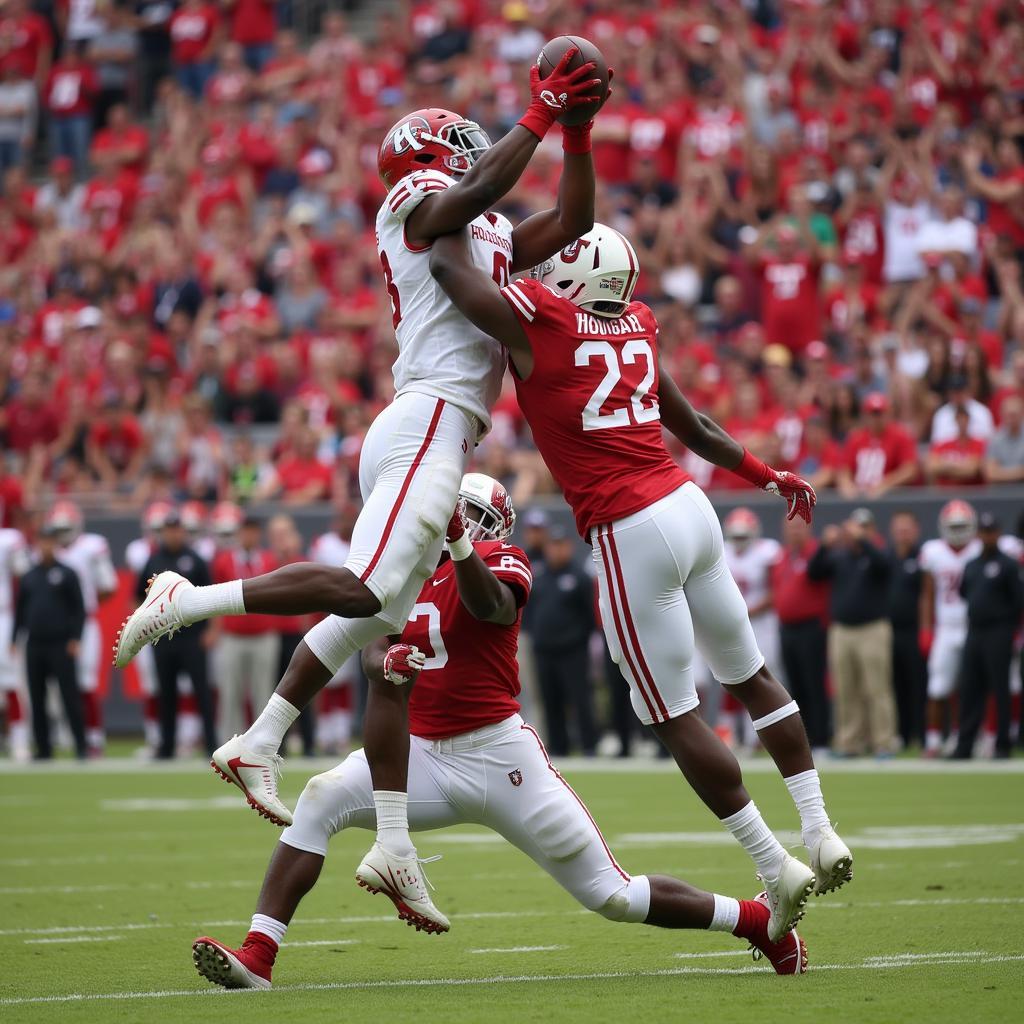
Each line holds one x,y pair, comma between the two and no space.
957,450
871,457
796,597
191,29
592,403
70,91
789,301
237,564
471,678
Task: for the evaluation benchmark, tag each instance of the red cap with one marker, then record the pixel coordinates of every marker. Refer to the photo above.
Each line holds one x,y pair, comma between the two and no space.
876,402
816,350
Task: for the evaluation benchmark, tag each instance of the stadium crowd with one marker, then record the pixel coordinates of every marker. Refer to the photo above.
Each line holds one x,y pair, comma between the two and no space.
828,199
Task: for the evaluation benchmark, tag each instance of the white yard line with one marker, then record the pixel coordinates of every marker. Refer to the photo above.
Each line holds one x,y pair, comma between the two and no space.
74,938
940,959
319,942
518,949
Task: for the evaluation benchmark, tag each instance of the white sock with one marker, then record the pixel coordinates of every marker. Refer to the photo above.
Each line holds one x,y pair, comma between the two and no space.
932,739
805,789
726,916
269,926
265,734
393,821
757,839
198,603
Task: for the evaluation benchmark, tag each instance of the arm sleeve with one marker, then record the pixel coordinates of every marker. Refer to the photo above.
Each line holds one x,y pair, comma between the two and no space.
512,566
412,190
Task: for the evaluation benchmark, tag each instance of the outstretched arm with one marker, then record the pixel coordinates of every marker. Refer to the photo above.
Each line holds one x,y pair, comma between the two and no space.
476,297
482,594
494,174
706,438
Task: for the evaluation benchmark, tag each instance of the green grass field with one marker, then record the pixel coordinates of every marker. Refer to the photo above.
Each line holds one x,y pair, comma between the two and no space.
109,872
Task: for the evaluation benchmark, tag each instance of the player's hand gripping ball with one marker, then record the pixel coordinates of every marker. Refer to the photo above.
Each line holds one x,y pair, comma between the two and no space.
560,84
403,663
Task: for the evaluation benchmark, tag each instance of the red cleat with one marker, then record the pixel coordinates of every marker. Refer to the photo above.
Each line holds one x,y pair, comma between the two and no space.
788,955
249,966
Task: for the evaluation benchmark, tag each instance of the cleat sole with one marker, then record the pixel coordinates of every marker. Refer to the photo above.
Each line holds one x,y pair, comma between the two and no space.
262,811
213,964
841,873
405,912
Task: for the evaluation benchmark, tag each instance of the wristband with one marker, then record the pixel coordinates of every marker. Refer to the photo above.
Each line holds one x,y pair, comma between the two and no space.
753,470
537,119
459,550
576,138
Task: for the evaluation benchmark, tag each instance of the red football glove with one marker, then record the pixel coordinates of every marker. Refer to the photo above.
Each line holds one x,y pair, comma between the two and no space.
799,494
460,547
560,91
403,663
576,137
925,637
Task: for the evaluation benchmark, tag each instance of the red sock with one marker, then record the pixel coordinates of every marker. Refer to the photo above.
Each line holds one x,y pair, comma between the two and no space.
991,718
753,920
263,947
91,707
14,711
150,710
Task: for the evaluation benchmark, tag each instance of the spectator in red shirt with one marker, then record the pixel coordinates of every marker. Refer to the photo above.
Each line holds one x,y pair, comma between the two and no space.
124,143
959,461
28,38
195,35
69,96
115,449
879,455
29,420
253,24
300,477
802,607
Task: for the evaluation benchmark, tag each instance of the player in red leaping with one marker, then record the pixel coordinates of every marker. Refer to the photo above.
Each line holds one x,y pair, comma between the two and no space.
589,383
442,175
474,760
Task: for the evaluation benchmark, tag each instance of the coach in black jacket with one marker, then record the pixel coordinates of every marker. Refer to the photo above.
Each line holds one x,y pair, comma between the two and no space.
994,593
50,610
185,652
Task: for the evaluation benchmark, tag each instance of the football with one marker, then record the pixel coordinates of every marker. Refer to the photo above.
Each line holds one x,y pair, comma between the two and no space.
552,53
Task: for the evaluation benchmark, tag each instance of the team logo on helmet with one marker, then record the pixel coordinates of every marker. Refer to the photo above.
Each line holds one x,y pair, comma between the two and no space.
406,135
515,777
571,253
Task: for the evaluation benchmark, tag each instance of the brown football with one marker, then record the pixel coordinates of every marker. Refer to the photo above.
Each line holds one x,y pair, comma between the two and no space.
554,51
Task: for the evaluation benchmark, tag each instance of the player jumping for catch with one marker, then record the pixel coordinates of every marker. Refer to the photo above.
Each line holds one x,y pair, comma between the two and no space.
443,175
589,384
474,760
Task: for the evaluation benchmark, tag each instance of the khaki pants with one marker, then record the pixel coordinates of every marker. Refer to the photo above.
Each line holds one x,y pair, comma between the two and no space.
860,661
246,666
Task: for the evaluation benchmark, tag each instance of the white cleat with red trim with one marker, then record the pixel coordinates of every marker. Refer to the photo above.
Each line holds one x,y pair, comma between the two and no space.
256,775
787,896
159,615
402,880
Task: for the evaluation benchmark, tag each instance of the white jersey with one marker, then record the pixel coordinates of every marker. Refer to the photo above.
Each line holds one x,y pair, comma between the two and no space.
89,555
136,555
440,353
14,562
329,549
751,568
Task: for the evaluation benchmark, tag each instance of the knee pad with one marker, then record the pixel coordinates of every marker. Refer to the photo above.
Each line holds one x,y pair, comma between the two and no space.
630,904
334,640
792,708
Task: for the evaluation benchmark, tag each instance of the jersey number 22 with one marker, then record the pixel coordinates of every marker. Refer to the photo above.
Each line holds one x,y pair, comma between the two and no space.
626,365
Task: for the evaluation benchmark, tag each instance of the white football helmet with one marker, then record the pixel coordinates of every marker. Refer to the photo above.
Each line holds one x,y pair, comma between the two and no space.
742,526
958,523
598,272
66,517
488,507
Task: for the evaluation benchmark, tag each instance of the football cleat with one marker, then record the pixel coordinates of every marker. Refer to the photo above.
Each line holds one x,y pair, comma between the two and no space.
246,967
156,617
402,880
831,862
787,896
788,955
256,775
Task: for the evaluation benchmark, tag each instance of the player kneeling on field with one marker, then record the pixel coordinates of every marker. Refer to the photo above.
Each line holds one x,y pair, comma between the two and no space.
473,759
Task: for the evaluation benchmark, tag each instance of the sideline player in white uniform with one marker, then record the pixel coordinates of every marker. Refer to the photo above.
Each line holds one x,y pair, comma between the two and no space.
750,558
473,760
136,555
588,382
89,555
442,176
14,562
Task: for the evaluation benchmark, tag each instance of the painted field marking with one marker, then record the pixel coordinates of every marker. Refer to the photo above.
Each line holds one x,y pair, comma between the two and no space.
74,938
518,949
940,959
319,942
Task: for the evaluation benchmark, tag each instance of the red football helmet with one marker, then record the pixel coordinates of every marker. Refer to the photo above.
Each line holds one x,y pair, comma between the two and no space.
431,137
742,526
66,517
958,523
155,516
488,506
193,516
226,519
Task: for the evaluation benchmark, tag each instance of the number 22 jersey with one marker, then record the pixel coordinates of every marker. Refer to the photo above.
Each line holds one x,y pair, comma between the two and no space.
592,404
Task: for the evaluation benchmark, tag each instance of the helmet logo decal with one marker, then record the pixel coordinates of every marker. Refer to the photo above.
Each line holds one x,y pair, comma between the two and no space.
571,253
614,284
406,135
